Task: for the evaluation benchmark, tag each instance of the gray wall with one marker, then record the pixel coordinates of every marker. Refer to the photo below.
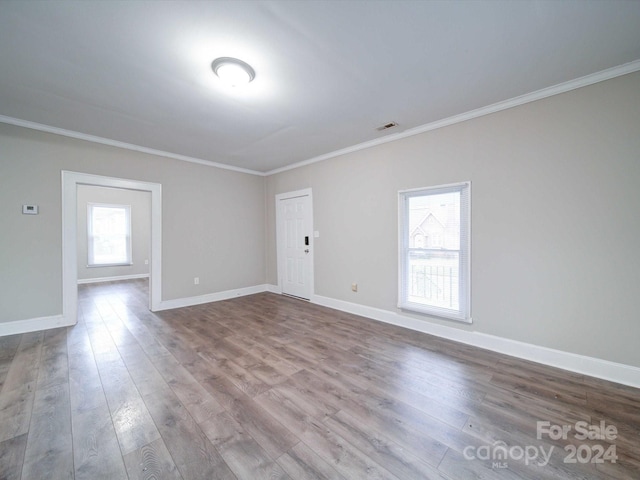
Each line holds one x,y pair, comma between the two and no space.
213,220
140,203
555,218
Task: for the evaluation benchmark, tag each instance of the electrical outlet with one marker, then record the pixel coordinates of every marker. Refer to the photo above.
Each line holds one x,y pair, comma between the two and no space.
146,262
196,280
354,287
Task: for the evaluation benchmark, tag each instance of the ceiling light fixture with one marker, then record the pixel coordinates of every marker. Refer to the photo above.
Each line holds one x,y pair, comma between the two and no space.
232,71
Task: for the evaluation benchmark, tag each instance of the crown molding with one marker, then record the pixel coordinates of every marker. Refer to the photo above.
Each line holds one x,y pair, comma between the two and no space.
489,109
115,143
590,79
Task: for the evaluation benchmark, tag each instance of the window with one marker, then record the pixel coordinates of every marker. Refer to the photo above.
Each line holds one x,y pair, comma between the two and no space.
434,243
109,234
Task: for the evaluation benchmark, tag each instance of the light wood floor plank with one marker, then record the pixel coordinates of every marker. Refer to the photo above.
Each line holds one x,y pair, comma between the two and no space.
96,452
12,457
191,450
8,348
15,410
49,452
272,435
374,444
151,462
54,366
302,463
26,361
240,451
343,456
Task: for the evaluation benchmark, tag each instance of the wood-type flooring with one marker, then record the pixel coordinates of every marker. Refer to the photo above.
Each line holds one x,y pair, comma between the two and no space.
270,387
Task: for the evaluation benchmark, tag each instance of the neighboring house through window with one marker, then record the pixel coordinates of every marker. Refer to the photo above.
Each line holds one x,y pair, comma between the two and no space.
434,257
109,234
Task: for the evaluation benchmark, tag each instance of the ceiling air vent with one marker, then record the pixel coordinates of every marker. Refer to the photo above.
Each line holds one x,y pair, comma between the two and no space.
387,126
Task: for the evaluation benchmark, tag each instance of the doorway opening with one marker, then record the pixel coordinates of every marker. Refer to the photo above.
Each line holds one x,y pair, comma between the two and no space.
70,183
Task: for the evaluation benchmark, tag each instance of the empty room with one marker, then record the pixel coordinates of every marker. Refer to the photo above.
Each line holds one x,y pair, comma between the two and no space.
319,239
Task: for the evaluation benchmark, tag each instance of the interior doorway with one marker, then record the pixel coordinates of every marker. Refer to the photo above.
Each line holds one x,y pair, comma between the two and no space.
114,234
70,183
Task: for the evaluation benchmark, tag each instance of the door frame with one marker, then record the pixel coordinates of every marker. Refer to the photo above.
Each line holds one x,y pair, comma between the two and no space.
306,192
70,182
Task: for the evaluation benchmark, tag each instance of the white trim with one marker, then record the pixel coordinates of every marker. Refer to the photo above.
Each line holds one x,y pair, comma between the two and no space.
595,367
33,325
305,192
70,182
211,297
115,143
590,79
112,279
446,188
479,112
296,193
274,289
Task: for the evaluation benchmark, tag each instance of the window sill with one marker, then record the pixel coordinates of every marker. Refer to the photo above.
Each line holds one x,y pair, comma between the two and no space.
441,313
111,265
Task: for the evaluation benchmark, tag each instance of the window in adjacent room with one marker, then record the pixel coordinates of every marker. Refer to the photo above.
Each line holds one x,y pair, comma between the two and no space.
434,245
109,234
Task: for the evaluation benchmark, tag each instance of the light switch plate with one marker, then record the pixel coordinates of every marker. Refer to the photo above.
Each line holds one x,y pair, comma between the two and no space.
30,209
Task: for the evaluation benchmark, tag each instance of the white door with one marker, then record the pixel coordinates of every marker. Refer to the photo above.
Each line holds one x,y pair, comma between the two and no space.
295,245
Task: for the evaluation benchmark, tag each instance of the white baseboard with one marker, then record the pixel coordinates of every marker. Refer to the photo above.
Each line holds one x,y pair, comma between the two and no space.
273,289
112,279
210,297
33,325
594,367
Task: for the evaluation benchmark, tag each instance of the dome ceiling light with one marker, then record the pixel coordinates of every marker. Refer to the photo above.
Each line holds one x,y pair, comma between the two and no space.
233,72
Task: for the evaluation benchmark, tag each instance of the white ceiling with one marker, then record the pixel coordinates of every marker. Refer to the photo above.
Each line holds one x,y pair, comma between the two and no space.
327,72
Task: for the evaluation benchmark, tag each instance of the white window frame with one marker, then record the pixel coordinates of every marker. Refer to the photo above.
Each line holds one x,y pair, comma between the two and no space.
463,313
90,254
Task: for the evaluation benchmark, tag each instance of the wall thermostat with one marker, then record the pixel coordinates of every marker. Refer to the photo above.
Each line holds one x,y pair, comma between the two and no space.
30,209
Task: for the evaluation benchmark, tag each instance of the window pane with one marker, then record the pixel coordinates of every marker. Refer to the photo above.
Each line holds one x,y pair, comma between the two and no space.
434,221
434,279
434,251
109,235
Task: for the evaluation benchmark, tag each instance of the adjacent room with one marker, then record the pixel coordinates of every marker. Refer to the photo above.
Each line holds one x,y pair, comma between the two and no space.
319,240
